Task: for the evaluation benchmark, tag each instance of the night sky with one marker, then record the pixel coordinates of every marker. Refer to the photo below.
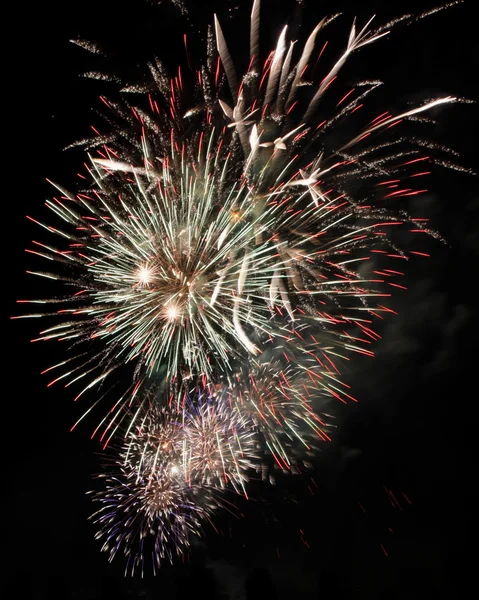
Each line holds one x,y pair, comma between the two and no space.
386,511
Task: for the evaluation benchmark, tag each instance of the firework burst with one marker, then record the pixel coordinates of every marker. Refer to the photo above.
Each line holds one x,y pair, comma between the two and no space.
220,445
146,508
179,455
233,244
286,402
212,232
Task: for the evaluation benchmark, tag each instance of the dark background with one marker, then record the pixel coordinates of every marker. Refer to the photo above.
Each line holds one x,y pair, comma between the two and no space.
386,512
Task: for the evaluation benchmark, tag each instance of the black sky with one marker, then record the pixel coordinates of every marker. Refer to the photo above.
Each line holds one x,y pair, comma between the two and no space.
401,459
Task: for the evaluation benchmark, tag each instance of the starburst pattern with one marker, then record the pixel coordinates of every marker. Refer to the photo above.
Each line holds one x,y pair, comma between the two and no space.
146,508
233,244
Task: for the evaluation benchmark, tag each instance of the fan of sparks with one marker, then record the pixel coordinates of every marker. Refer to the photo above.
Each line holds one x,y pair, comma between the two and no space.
232,254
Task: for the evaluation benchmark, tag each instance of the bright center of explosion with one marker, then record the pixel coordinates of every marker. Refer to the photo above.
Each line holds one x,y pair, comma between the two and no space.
172,312
144,276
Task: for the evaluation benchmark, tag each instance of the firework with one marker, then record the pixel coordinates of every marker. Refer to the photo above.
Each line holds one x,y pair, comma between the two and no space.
220,224
160,268
177,457
232,244
287,405
220,444
147,506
